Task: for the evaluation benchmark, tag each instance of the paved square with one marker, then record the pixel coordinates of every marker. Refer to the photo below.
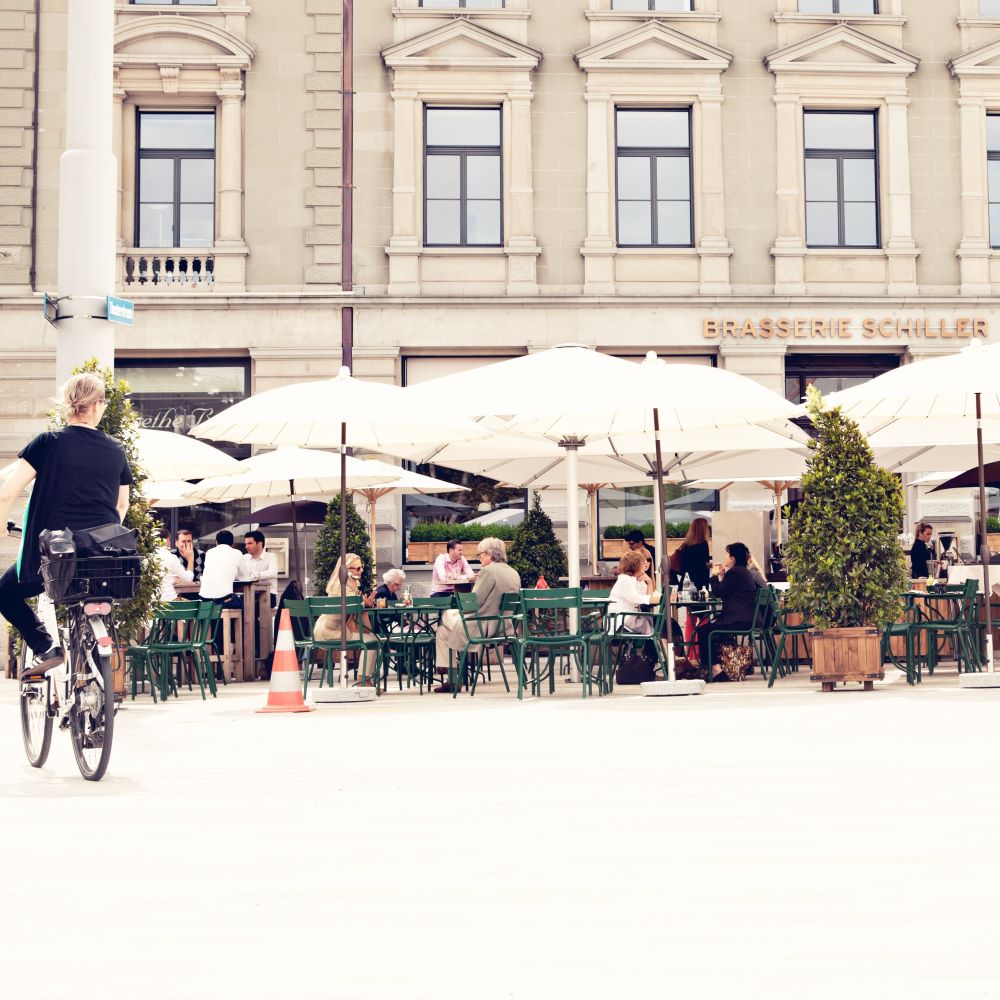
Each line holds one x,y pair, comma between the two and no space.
745,843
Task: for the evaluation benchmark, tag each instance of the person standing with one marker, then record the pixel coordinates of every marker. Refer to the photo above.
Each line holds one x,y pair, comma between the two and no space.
258,564
450,567
695,559
82,480
922,552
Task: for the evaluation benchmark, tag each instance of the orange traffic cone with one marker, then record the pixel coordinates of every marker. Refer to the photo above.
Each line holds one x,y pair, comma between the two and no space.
285,692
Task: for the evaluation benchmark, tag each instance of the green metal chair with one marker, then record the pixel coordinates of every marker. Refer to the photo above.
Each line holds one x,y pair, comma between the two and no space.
483,633
302,622
783,631
755,632
169,644
358,644
962,627
622,640
545,618
140,666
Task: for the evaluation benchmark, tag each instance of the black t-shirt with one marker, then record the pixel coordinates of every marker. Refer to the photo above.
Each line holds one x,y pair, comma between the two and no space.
78,471
920,553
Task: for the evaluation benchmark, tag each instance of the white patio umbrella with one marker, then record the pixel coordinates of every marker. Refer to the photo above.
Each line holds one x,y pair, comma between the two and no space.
168,456
341,412
574,396
904,405
168,493
404,482
289,472
777,486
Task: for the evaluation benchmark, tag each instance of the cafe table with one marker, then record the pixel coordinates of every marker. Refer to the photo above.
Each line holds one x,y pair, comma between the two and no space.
256,597
407,629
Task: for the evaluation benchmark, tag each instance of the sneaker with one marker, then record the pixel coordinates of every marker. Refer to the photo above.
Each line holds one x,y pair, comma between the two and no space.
41,663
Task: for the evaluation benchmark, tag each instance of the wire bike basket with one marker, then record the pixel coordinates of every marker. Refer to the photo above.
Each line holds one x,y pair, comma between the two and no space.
74,578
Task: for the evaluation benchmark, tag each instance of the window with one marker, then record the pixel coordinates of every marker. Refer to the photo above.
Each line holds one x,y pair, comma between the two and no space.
654,178
989,8
993,168
464,4
175,3
462,177
671,5
176,179
838,6
841,179
832,374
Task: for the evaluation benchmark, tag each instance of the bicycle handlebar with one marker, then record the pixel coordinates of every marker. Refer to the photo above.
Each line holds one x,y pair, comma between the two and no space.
13,529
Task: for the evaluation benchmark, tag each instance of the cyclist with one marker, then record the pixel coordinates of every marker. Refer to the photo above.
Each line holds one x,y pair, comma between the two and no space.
81,481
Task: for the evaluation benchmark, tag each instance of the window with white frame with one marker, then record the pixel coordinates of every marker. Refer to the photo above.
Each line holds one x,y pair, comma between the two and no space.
462,177
838,6
174,3
654,177
463,4
841,166
664,5
989,8
175,193
993,168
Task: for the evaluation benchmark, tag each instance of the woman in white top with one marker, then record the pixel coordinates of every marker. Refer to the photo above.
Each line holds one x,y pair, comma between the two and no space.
632,589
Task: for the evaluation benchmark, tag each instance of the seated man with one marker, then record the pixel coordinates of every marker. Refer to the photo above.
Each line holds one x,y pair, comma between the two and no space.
189,553
222,569
173,569
495,579
450,568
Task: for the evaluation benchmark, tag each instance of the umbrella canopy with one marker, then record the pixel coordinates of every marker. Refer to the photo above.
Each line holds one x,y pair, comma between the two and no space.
306,512
574,397
168,493
963,389
338,413
168,456
970,479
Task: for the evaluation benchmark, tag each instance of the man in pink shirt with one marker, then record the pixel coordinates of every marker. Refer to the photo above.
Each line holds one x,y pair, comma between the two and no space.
449,569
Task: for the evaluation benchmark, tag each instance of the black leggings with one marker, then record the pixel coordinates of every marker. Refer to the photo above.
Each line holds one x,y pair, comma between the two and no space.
13,606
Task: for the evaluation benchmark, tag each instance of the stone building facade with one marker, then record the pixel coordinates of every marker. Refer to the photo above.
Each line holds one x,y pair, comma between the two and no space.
799,190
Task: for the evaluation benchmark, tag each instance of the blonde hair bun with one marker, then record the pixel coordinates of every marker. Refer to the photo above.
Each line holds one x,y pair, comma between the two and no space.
79,393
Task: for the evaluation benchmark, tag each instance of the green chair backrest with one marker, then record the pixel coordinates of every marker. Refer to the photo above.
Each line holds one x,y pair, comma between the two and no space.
546,612
468,604
596,595
302,619
353,607
441,603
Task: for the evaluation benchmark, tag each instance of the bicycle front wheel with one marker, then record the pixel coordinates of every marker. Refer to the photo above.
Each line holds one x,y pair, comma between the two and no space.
36,720
92,723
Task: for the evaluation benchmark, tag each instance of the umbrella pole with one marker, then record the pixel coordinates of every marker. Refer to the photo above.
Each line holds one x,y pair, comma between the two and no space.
571,446
295,537
343,555
661,521
984,547
594,540
659,541
373,531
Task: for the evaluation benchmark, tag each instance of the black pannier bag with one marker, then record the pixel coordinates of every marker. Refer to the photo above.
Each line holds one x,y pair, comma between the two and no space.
99,563
58,567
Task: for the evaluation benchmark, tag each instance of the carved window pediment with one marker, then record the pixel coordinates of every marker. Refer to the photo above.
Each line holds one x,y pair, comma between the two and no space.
180,41
653,46
461,43
842,50
984,61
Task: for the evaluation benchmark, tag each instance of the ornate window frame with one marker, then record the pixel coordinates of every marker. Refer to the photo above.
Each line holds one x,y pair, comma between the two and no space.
195,64
890,12
814,75
978,95
462,62
668,69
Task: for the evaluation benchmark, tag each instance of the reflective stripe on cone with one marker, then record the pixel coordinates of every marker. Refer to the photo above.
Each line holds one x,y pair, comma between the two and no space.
284,693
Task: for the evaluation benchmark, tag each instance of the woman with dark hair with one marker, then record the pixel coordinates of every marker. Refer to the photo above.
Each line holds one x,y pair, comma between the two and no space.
734,583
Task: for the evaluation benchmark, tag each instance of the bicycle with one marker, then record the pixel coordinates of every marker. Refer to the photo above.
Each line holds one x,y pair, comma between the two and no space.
78,693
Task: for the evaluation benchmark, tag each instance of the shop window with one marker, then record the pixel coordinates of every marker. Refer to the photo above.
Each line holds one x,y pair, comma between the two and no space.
841,179
173,398
462,182
832,374
838,6
174,3
464,4
989,8
175,202
654,177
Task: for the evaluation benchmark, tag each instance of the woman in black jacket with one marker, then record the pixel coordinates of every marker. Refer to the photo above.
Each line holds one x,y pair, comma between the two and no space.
733,582
694,555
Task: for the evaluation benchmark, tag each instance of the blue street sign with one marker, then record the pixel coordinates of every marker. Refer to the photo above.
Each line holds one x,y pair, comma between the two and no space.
121,311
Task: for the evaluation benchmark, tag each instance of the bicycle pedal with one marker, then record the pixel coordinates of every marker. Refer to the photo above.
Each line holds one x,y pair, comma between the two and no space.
93,741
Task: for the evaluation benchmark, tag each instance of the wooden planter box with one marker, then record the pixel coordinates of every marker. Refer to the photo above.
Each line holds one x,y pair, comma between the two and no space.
427,552
993,541
846,654
615,548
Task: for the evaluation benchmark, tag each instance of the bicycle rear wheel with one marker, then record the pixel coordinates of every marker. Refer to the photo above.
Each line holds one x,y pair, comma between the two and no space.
92,722
36,722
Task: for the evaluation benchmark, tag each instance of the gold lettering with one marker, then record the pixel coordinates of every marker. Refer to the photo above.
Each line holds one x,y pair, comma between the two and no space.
748,329
886,328
963,328
819,328
981,328
710,329
766,328
932,333
904,328
784,327
843,328
802,328
869,328
729,328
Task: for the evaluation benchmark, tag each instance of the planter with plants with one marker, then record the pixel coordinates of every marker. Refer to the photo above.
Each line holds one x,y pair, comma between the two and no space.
993,533
614,546
535,551
430,539
845,566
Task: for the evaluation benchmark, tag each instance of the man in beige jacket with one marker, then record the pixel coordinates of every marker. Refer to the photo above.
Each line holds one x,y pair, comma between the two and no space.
495,579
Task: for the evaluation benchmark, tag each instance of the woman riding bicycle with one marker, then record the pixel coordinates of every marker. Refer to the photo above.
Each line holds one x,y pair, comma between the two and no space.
81,481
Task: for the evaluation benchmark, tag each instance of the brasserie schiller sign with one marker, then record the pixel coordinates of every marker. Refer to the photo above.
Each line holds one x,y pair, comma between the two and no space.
890,328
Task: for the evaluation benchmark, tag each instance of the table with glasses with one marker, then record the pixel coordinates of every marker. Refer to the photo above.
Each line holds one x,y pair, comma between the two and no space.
256,594
410,628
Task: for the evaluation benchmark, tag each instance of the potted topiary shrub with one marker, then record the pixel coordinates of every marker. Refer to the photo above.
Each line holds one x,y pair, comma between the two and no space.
535,551
327,550
845,565
993,533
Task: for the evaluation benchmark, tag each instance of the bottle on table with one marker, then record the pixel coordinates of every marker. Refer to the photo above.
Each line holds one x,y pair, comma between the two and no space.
407,597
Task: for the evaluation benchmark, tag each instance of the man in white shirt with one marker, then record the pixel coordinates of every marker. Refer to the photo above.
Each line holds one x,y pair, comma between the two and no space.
258,564
222,569
173,569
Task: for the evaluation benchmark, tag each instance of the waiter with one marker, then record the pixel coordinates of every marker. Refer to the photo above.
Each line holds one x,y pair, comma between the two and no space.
921,553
